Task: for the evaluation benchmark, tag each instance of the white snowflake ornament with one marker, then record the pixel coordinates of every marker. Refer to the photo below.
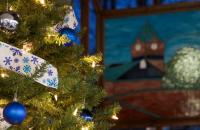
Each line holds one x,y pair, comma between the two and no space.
70,20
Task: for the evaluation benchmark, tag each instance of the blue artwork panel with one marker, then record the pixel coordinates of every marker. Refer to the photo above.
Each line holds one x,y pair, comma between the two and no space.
175,30
77,10
176,1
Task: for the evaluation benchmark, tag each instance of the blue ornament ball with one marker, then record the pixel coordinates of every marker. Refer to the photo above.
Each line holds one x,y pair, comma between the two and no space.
14,113
70,34
69,44
86,115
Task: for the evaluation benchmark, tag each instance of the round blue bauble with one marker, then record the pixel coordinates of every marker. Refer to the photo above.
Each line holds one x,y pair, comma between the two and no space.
14,113
86,115
69,44
69,33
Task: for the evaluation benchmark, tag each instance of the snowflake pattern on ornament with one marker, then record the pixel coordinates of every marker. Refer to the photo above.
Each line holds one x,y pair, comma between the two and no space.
7,60
25,63
70,21
25,59
27,69
17,69
34,60
16,51
52,82
50,72
16,60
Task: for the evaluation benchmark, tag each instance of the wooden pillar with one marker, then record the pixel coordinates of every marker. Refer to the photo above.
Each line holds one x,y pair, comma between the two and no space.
100,34
85,24
99,26
99,31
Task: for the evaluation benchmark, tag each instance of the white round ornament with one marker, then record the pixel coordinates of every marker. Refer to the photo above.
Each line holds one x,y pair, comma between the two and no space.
9,20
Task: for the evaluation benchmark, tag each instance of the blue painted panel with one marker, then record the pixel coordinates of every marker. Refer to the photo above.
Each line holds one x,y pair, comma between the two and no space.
174,29
176,1
92,29
77,6
123,4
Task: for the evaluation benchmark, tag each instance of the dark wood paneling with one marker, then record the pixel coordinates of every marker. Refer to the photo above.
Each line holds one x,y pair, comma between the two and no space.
150,10
100,34
99,25
85,24
97,6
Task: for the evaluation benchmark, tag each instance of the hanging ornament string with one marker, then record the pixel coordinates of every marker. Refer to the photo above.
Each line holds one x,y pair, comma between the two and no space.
15,96
16,91
7,8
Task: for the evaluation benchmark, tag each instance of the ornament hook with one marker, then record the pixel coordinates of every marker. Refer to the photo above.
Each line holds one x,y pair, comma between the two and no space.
15,97
7,6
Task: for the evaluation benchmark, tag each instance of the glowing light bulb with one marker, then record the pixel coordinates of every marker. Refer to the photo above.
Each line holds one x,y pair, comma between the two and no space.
42,2
75,112
93,64
4,75
85,128
27,47
56,97
11,8
114,117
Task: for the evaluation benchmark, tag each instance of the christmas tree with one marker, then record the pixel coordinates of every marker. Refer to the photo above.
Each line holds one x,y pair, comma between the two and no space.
78,75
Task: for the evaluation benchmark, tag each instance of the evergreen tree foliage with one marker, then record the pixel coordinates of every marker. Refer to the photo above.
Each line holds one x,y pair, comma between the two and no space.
78,80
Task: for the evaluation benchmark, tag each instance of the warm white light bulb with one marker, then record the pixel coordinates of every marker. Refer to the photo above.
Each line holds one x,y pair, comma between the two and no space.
114,117
11,8
49,35
56,97
27,47
93,64
85,128
4,75
42,2
75,112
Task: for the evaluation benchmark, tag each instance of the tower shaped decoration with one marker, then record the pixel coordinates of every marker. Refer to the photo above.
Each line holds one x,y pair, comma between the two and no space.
148,47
